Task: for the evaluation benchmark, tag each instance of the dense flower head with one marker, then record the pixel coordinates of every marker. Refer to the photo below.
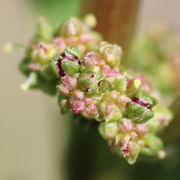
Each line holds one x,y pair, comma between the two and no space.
86,72
50,42
94,86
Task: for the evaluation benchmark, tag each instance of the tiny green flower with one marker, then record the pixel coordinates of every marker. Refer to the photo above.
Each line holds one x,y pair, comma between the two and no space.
111,53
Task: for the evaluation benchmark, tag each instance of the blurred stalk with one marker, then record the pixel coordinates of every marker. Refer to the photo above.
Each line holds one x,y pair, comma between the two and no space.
116,20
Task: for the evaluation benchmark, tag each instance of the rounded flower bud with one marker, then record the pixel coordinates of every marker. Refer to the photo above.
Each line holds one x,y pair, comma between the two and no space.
152,145
111,130
43,53
90,20
72,27
111,53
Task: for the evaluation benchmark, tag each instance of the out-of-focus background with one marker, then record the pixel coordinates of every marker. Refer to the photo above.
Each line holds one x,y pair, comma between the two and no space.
32,132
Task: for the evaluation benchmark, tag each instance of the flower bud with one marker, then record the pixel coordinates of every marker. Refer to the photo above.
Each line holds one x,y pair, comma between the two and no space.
111,53
152,145
110,111
43,53
91,111
90,20
70,28
111,129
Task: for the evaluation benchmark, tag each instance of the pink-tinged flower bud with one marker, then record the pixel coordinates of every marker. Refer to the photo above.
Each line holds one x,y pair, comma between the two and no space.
59,42
142,129
111,112
63,90
134,135
91,59
121,140
68,84
72,27
43,53
110,72
77,94
126,125
127,148
91,111
122,101
85,37
78,106
88,101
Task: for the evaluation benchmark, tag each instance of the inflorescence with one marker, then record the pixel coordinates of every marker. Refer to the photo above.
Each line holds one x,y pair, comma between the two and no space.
86,73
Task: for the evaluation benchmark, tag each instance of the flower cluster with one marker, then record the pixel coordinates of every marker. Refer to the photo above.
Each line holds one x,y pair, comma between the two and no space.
95,87
88,76
49,43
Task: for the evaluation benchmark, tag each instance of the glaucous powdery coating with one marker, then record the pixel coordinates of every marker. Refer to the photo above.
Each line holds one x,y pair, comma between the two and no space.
95,87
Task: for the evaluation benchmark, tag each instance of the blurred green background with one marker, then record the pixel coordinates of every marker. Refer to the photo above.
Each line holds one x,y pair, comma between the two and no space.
32,133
